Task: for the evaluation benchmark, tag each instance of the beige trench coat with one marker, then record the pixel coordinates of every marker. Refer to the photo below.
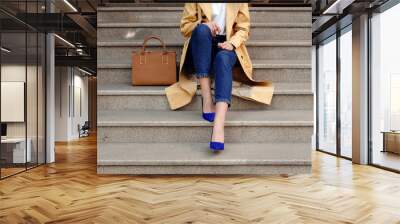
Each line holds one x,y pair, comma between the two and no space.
237,32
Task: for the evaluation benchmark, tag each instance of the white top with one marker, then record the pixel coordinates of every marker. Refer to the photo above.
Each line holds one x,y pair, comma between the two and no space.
218,15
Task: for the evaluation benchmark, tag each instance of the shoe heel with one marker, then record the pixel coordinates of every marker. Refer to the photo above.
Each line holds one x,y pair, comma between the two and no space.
216,146
207,116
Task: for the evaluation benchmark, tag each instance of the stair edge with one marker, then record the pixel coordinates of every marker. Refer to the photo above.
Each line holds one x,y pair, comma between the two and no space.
176,25
149,8
290,43
205,170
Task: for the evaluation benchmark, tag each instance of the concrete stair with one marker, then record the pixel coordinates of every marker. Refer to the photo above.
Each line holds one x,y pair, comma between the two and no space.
173,14
138,134
288,96
156,126
195,158
273,70
265,50
129,32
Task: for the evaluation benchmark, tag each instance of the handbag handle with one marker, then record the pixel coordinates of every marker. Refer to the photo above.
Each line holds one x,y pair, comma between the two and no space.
156,38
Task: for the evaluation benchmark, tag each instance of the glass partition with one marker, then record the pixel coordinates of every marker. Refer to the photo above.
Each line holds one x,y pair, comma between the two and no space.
41,97
334,103
23,90
14,153
31,100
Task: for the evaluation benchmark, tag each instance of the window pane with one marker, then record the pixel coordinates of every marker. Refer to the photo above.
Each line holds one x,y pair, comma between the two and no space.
327,96
346,93
386,89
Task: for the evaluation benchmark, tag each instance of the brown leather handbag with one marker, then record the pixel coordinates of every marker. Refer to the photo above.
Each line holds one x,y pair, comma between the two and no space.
153,68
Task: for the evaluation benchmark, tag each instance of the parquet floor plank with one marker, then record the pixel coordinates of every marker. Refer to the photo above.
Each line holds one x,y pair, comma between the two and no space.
70,191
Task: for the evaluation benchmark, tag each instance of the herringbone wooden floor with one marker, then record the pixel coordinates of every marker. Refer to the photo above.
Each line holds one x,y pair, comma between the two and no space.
70,191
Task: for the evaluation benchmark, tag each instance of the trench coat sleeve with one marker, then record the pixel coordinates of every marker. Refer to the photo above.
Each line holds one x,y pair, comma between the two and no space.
189,19
241,27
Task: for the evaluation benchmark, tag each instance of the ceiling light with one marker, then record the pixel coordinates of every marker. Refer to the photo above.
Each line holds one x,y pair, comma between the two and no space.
84,71
338,6
5,50
65,41
70,5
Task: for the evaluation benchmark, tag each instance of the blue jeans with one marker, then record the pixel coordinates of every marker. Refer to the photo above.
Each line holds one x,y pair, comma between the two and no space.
210,60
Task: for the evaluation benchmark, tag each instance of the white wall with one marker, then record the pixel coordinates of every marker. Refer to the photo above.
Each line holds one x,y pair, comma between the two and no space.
13,101
79,117
62,82
33,126
17,73
13,73
70,83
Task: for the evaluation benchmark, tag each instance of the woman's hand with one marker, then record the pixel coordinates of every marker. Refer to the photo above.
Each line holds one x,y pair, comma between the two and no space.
226,45
213,27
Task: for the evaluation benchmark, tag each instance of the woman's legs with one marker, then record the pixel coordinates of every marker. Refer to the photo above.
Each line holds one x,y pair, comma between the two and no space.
201,52
219,122
223,64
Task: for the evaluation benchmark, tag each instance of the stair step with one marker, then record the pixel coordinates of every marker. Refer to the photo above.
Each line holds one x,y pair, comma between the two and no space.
177,25
155,126
128,89
288,96
257,64
154,118
199,154
205,170
125,32
274,71
196,158
129,3
173,14
254,43
109,52
138,133
179,9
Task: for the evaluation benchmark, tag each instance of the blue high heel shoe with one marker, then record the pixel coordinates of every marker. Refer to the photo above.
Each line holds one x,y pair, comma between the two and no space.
207,116
216,146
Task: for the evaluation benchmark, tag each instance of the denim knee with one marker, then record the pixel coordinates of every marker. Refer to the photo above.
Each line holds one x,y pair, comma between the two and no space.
201,44
223,64
224,58
201,30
